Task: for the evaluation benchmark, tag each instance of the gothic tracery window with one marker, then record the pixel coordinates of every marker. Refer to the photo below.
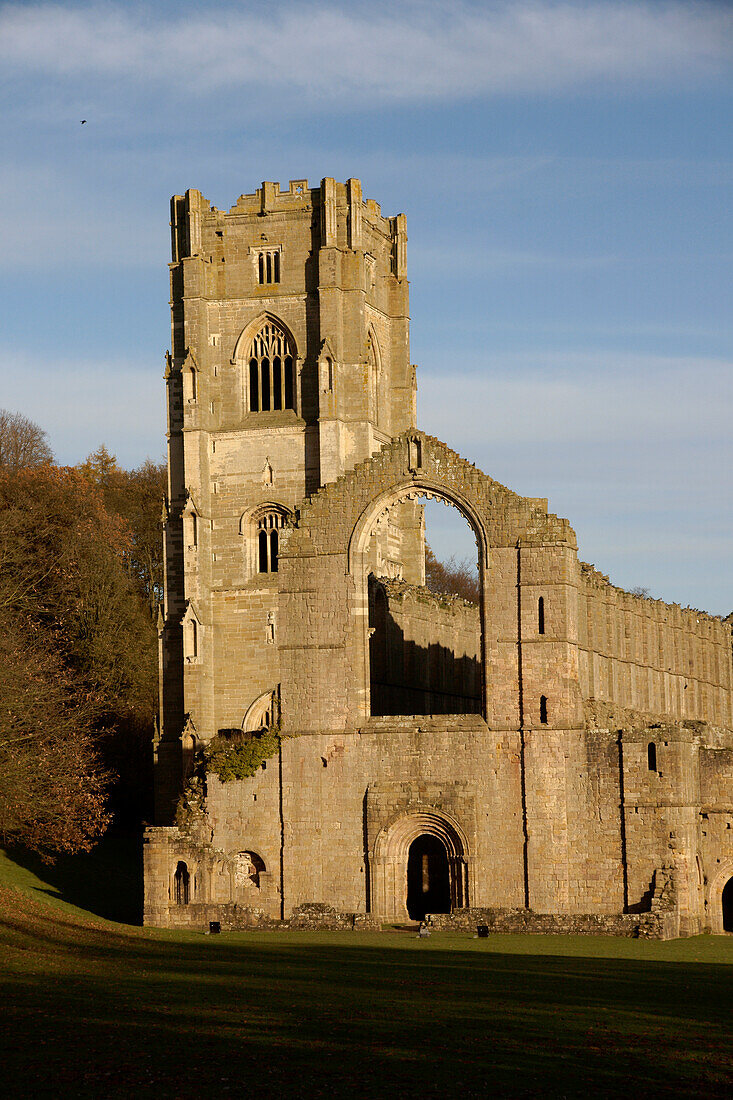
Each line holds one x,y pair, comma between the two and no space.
270,364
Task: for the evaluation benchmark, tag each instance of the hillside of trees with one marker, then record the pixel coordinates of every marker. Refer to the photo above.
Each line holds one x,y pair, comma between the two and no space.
80,580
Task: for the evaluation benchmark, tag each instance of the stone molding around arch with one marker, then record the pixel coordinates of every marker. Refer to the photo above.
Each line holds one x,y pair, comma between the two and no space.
388,860
715,896
250,330
410,489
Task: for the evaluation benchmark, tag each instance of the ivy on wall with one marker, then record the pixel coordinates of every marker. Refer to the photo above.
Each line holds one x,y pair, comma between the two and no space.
237,759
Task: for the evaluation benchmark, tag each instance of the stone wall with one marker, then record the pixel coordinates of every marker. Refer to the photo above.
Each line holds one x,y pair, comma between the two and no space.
425,651
650,656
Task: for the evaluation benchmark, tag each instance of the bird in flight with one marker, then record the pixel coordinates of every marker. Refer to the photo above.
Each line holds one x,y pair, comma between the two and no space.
83,121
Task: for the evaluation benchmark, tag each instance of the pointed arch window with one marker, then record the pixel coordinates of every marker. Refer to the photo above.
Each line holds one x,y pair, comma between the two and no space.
268,541
262,529
270,366
375,379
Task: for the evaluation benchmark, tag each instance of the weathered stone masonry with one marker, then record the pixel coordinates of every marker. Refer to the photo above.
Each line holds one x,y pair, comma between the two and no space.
576,770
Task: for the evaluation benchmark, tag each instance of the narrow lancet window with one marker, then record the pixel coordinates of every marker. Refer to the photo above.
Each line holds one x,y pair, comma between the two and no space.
541,615
651,756
181,882
543,709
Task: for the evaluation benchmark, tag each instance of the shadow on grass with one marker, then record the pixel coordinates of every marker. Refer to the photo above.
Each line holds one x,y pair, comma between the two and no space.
106,882
300,1018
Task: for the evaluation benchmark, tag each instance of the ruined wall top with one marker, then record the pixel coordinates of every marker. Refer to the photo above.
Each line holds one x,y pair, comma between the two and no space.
419,464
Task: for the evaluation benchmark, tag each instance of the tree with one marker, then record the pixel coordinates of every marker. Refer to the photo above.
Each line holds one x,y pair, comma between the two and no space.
67,596
135,496
22,443
52,785
451,578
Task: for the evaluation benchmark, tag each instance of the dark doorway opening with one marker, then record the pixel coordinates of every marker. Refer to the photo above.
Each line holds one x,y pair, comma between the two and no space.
728,906
428,877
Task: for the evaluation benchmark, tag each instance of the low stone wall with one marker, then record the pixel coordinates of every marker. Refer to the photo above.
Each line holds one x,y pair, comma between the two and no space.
650,926
233,918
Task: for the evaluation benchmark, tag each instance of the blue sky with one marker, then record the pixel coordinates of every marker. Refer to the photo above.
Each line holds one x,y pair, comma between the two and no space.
566,172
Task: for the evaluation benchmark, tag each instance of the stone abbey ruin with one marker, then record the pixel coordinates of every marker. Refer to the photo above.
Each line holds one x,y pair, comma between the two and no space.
338,744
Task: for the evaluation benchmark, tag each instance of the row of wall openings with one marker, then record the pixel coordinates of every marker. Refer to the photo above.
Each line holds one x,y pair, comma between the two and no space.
268,540
268,267
271,381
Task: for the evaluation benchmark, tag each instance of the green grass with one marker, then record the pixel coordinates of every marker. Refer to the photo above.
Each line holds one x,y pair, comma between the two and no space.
96,1008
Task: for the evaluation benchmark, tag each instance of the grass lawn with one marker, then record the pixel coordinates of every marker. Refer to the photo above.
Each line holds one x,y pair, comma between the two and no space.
94,1008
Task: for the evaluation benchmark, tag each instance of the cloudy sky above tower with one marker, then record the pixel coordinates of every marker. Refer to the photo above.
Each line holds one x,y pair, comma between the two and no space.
566,171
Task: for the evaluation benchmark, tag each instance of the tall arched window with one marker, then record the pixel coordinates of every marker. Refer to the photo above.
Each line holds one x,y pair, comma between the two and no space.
271,358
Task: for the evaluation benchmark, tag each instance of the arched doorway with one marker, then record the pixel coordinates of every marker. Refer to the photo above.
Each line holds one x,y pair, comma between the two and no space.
727,904
428,877
419,865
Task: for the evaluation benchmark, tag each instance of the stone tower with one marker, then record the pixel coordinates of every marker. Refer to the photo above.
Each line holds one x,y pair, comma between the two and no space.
290,365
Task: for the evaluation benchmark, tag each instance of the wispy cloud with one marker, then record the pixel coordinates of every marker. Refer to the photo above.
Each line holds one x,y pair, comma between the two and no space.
82,403
634,450
408,51
604,399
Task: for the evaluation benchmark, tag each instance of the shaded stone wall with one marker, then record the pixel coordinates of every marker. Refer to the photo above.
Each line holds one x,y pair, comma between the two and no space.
425,651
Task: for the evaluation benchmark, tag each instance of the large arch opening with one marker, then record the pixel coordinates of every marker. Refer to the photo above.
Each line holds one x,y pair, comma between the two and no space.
428,877
726,901
425,652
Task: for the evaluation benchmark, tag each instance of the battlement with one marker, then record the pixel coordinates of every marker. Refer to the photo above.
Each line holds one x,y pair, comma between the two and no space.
346,218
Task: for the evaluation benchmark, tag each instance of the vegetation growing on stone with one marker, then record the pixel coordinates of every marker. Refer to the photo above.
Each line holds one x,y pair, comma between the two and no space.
236,758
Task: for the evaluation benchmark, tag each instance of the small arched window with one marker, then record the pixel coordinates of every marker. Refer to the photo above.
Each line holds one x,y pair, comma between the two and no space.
541,615
651,756
268,541
543,709
271,360
181,882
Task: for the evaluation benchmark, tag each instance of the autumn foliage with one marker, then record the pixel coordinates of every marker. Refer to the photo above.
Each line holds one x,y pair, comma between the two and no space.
451,578
78,669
